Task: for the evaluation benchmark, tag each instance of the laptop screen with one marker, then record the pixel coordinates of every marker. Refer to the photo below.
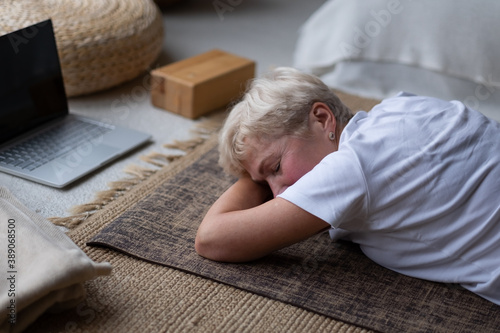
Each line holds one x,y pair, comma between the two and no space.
31,84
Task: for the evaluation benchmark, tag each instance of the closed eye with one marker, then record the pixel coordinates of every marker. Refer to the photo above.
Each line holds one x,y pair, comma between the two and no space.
277,167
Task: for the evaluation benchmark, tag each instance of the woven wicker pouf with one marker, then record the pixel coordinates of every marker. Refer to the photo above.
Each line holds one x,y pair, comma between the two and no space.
101,43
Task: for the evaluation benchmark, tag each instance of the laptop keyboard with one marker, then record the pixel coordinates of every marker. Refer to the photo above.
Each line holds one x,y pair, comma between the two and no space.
51,144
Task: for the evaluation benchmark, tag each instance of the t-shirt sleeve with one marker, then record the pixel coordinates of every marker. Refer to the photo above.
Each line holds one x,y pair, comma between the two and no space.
334,191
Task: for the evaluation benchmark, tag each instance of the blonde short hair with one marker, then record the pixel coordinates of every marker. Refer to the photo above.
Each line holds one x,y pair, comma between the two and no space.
275,105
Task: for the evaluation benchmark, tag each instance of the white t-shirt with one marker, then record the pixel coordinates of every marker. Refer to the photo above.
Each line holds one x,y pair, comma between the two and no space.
415,182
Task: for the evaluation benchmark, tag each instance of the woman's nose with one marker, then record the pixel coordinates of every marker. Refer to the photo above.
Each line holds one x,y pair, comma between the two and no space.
274,187
277,188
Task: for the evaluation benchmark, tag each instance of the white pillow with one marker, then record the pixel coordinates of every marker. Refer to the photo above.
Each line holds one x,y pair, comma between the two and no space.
457,39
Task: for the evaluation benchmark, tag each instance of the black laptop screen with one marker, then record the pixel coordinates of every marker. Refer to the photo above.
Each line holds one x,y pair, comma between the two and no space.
31,83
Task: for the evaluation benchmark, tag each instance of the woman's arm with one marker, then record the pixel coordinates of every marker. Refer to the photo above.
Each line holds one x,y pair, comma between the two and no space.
242,225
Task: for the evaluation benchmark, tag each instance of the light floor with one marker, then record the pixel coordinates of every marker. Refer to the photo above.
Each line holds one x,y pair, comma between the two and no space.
262,30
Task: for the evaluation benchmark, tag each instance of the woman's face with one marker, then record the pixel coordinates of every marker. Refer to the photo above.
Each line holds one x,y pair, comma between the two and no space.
281,162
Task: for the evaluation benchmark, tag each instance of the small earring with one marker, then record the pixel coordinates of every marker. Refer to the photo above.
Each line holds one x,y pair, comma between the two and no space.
331,136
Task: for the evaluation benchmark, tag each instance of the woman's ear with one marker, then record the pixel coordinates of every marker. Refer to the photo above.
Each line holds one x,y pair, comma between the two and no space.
321,113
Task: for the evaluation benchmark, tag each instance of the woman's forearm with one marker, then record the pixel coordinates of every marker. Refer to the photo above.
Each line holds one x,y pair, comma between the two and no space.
217,230
244,225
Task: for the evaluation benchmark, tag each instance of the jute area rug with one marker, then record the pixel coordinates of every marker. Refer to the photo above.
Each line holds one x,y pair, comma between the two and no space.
160,284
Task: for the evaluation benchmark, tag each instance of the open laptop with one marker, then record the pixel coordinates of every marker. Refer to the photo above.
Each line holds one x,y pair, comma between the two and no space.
39,139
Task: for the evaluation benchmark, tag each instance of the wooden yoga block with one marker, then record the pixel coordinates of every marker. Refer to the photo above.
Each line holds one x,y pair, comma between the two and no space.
203,83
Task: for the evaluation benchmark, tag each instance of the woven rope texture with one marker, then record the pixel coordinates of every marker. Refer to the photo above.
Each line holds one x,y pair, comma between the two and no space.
101,43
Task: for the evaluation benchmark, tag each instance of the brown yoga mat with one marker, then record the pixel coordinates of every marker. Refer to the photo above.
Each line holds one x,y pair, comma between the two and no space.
331,279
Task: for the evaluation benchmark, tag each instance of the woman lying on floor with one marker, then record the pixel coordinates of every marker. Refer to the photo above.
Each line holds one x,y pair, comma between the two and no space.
415,182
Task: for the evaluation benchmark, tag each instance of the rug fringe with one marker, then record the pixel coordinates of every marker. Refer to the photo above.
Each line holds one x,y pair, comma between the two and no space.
186,145
139,172
78,214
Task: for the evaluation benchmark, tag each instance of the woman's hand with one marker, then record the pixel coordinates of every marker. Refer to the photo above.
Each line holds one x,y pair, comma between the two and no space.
243,224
